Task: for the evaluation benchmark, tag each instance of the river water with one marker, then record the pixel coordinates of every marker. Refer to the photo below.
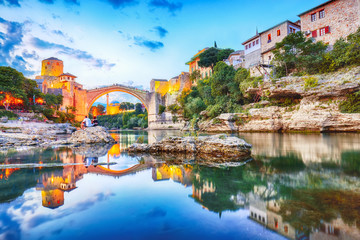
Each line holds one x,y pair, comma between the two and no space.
296,187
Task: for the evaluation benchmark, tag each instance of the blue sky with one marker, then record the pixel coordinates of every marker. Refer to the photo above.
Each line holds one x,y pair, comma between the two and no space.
130,41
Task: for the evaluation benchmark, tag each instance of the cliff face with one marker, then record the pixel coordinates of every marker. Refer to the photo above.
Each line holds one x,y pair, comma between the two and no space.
311,104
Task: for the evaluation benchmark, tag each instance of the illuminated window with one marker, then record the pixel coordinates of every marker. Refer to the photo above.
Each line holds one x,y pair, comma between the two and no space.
48,63
321,14
57,63
276,223
278,32
269,38
286,229
313,17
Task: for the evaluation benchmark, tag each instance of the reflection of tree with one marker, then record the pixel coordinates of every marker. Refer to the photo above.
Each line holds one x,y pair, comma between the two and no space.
350,162
288,163
309,208
227,183
18,183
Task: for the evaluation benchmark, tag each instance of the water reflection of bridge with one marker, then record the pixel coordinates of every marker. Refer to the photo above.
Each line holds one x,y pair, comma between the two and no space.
117,173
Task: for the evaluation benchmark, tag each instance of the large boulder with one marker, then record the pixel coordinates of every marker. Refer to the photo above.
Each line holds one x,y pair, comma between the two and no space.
221,146
91,135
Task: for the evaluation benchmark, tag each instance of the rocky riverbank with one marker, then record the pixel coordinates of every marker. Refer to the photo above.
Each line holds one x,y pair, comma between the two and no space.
23,134
203,147
290,106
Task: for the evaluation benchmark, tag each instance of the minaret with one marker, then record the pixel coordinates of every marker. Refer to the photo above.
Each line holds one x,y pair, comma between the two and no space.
107,104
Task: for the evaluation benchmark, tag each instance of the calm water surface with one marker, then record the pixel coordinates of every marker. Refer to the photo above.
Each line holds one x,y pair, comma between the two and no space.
296,187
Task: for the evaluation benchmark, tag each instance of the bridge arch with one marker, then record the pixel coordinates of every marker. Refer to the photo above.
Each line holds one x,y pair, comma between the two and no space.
94,94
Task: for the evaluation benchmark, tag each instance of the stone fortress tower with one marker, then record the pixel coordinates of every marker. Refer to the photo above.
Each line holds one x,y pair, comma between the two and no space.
52,67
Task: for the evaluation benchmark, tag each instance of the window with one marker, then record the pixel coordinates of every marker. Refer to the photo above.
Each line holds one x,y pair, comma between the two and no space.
286,229
292,30
48,63
276,223
313,17
314,34
257,41
269,38
321,14
253,43
269,58
322,31
250,45
278,32
327,30
252,214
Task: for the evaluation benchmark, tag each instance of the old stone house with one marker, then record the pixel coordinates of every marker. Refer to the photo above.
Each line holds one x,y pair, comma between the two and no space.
258,49
331,20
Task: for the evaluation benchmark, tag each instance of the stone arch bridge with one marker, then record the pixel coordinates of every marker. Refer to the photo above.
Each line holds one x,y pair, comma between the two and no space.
84,100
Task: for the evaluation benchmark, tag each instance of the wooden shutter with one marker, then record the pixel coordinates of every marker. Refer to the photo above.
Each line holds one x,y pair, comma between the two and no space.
314,34
327,30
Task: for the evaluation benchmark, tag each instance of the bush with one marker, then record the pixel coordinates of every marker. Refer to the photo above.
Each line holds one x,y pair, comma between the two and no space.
9,114
310,82
161,109
352,104
174,108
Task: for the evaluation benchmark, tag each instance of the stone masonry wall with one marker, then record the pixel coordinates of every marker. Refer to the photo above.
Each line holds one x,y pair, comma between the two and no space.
342,16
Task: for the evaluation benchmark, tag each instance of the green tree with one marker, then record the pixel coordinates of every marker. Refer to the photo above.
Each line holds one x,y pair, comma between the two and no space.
195,75
209,58
224,54
296,53
138,108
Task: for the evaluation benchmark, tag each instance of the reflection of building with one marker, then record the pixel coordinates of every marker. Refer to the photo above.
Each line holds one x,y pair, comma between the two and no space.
180,174
52,198
266,212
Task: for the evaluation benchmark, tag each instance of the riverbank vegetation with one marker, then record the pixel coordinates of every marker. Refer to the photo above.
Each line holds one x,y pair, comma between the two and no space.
125,120
19,94
299,55
225,91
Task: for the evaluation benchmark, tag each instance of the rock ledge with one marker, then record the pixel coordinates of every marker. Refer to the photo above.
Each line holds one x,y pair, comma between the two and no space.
204,146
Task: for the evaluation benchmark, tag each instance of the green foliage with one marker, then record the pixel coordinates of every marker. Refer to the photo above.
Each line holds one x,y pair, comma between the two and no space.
140,139
195,75
310,82
53,100
344,53
127,120
209,58
138,108
352,104
296,53
9,114
14,82
174,108
224,54
250,82
127,106
162,109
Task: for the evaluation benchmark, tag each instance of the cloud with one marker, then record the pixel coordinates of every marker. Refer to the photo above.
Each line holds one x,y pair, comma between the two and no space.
11,35
62,34
116,4
171,7
10,3
162,32
47,1
152,45
78,54
75,2
32,55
